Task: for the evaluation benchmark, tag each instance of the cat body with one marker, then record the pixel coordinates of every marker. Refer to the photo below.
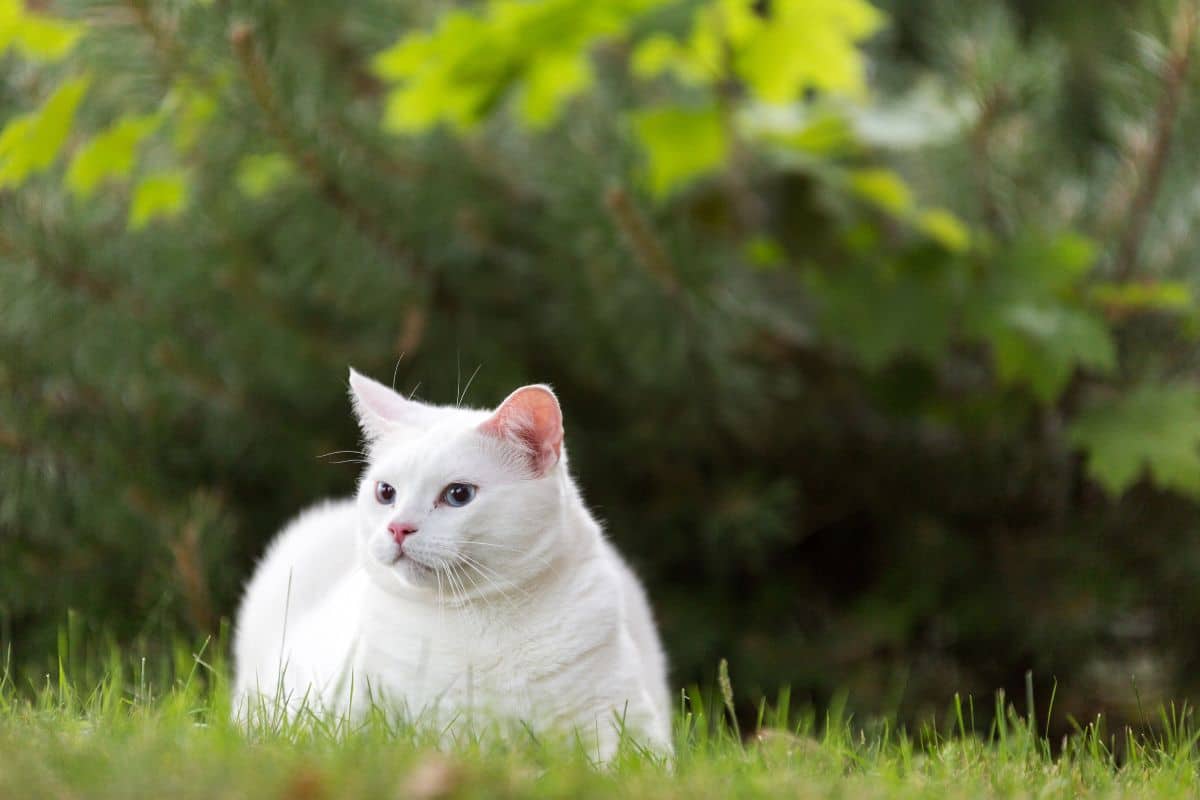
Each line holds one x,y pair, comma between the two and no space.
465,582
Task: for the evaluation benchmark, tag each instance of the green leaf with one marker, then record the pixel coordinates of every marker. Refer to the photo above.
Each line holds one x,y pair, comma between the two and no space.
1125,298
655,55
682,144
883,188
190,108
160,195
258,175
37,36
30,143
1051,264
945,229
549,83
405,57
799,45
828,135
45,39
806,44
460,72
881,313
1153,428
109,154
763,252
1028,309
1042,346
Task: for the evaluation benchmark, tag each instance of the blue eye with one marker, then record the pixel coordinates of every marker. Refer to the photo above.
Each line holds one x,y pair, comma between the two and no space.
385,493
458,494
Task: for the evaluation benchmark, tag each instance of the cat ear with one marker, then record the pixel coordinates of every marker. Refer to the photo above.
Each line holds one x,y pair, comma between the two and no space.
380,409
530,419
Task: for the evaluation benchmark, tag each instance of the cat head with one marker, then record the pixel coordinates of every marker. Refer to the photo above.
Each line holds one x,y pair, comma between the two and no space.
458,503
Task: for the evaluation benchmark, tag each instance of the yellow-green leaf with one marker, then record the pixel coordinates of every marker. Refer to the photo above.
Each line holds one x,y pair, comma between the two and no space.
1124,298
763,252
883,188
536,50
37,36
946,229
190,109
46,39
405,57
258,175
655,55
827,135
681,144
799,45
30,143
549,83
159,195
109,154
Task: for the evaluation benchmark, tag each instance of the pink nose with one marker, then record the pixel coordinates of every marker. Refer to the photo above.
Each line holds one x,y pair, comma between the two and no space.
401,529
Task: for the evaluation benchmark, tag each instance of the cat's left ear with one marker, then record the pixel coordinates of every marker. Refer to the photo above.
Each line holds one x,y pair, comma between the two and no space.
531,420
381,410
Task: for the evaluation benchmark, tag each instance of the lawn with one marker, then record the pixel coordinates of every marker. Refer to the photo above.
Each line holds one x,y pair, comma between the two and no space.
130,734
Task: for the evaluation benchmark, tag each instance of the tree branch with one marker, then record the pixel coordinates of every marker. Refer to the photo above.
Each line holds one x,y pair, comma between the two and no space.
323,181
641,239
327,184
1172,78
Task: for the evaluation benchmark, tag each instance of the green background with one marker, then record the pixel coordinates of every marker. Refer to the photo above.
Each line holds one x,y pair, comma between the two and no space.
883,376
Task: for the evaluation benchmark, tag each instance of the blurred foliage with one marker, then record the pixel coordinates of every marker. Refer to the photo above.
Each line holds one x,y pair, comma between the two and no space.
874,325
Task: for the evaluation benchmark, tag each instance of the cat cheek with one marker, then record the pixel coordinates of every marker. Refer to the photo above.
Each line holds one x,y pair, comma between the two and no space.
381,549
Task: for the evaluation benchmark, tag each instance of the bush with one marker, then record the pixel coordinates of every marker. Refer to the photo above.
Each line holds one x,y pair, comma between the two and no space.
874,331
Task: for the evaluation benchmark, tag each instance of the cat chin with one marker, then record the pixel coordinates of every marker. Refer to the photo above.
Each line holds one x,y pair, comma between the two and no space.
414,570
400,575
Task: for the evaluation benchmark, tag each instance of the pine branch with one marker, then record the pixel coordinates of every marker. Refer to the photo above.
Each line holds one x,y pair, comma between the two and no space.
329,186
66,276
1172,79
189,567
980,143
641,239
12,442
361,82
171,55
749,210
324,181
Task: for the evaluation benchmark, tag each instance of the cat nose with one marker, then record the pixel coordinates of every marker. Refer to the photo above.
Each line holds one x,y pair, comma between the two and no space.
401,529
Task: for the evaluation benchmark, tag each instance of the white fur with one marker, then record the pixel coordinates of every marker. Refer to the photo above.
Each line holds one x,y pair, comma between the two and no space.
547,625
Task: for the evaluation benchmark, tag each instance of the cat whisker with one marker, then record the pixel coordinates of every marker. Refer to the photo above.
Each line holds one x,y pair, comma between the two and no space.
438,574
343,453
472,562
543,561
489,581
490,544
463,394
461,578
396,371
460,591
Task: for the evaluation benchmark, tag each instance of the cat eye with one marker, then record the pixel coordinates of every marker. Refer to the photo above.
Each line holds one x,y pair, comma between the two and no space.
385,493
458,494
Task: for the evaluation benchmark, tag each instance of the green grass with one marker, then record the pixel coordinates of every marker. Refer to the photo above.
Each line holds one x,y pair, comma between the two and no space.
162,730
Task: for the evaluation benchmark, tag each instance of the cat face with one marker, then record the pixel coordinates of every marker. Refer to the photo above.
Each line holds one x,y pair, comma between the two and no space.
458,503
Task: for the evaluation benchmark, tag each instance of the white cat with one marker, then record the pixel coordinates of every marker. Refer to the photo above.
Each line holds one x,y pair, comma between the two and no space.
467,577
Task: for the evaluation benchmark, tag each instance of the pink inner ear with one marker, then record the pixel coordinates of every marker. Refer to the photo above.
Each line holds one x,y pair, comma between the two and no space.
531,419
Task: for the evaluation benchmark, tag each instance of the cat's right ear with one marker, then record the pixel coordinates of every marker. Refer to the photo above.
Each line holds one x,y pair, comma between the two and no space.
382,410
